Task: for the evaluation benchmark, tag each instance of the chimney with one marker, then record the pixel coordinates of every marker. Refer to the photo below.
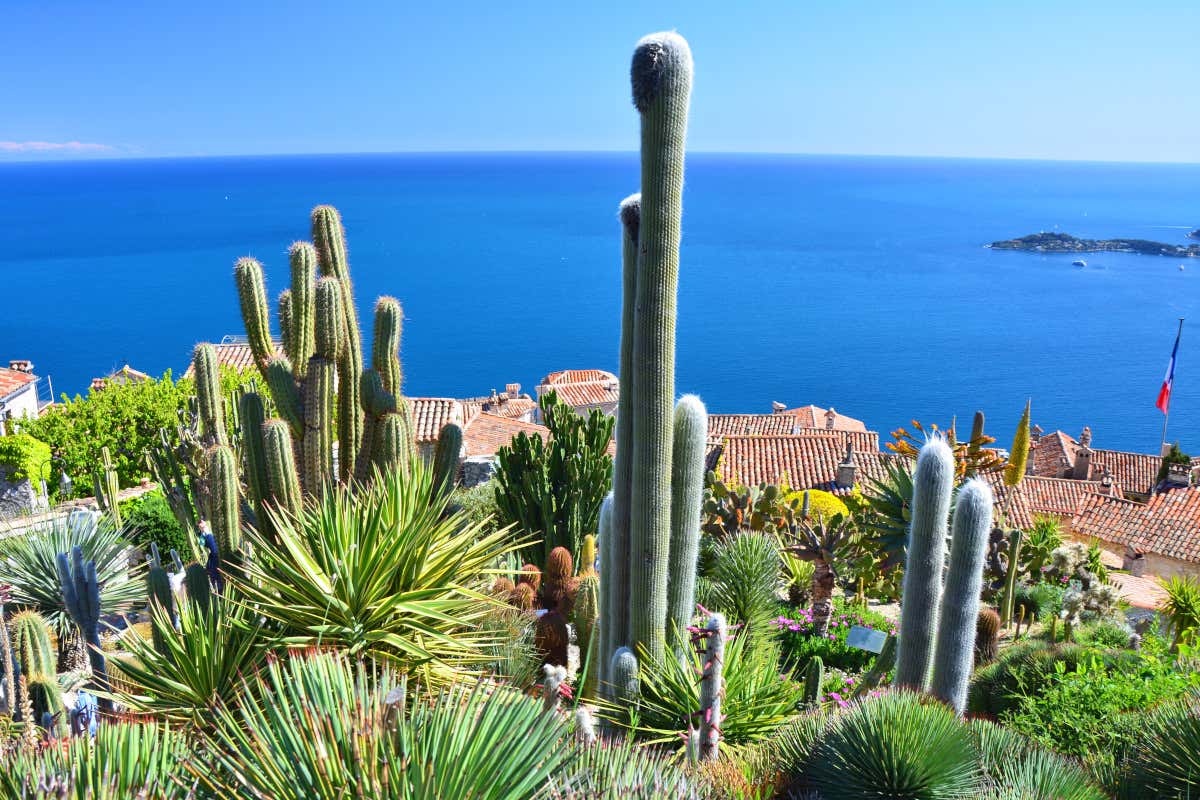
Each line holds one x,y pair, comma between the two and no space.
778,407
512,390
846,469
1035,434
830,418
1106,482
1179,476
1085,437
21,365
1083,463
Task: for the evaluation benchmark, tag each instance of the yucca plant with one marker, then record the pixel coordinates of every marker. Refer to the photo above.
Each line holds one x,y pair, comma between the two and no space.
818,540
899,745
759,694
743,580
1020,769
125,760
325,725
29,564
200,666
382,573
621,770
1166,763
1182,607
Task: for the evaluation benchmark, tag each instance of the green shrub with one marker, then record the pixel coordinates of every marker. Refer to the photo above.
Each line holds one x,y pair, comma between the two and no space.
1084,711
23,456
478,506
899,745
1044,598
1106,633
799,643
149,519
1165,761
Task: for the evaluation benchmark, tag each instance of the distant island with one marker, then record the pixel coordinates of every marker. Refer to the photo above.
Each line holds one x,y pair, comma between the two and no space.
1194,234
1066,243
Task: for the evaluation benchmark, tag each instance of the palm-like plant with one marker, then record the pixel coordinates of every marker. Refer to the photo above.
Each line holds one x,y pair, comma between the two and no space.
899,745
200,665
29,564
889,511
328,726
759,696
384,573
818,541
1182,607
124,760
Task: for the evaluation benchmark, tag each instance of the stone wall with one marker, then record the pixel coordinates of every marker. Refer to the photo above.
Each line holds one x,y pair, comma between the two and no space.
18,498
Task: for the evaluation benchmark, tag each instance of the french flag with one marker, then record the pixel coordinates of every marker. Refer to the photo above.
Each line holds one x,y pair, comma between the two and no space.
1164,394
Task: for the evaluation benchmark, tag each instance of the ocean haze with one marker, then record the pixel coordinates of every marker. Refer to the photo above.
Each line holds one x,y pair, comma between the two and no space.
851,281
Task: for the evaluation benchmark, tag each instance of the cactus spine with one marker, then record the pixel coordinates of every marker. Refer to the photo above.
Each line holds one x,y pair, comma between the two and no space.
445,459
224,515
254,414
301,339
252,295
585,614
319,388
661,77
712,687
687,492
814,677
954,655
208,393
933,482
282,479
385,349
31,644
81,596
587,557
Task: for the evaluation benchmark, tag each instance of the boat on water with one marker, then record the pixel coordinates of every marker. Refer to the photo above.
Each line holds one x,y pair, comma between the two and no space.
1079,263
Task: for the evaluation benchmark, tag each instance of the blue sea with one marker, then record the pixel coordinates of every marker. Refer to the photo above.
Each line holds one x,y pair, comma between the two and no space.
856,282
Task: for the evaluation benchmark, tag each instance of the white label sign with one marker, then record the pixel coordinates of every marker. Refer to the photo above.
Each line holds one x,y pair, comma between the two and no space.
866,639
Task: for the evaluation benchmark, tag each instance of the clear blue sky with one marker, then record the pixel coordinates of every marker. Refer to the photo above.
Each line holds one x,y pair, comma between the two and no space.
1103,79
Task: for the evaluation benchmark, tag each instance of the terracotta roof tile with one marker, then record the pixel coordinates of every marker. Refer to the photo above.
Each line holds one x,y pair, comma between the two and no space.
1036,496
750,425
234,354
1168,525
582,387
431,414
577,376
500,405
1052,455
487,433
12,379
804,461
815,417
1136,472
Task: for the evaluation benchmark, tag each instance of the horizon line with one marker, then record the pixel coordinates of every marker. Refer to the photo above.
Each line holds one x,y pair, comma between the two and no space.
585,151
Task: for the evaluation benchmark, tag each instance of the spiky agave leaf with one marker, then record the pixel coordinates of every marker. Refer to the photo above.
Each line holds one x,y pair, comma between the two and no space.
29,564
899,745
325,726
1021,769
125,760
744,579
383,573
203,660
1166,763
621,769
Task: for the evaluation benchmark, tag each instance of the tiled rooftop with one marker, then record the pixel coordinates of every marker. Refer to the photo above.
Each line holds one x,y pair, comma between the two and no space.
487,433
816,417
234,354
1167,525
11,380
750,425
431,414
805,461
582,387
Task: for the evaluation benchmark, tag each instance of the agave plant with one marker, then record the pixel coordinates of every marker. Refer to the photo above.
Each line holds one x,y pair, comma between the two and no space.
743,579
326,726
199,665
382,573
818,541
621,770
124,760
29,564
759,695
899,745
889,511
1166,763
1020,769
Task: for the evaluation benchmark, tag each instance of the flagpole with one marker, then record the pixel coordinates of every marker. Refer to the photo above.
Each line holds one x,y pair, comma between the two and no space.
1167,414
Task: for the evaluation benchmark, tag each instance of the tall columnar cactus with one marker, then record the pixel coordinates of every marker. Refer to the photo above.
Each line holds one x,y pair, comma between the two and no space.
712,686
329,237
319,394
8,681
108,487
301,333
624,679
224,515
385,349
661,76
954,655
282,479
687,495
208,393
814,677
81,596
585,613
933,483
254,457
445,458
1015,539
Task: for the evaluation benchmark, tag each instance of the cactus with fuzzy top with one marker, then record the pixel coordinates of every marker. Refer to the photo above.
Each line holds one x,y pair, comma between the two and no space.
554,678
661,77
814,678
712,687
623,678
687,492
954,654
933,482
81,596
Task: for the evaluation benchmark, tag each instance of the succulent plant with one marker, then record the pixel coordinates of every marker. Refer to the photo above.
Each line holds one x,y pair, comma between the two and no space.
81,595
712,686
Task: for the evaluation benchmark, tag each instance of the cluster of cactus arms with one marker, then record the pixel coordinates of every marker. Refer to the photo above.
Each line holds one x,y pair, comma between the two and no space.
107,487
938,624
650,534
81,596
